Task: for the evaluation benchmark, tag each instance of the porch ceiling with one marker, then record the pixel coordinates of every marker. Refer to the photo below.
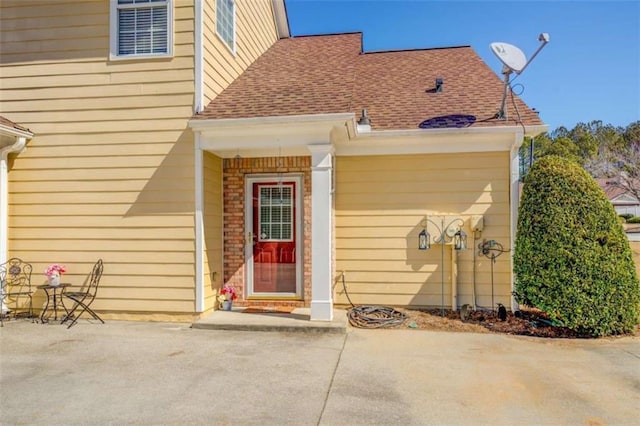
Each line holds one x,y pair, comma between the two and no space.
264,136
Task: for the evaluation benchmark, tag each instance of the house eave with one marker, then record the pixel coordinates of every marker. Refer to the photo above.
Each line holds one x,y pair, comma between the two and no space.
291,135
264,136
12,133
427,141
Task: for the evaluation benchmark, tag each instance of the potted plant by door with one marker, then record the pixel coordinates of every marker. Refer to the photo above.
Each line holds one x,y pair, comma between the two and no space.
226,297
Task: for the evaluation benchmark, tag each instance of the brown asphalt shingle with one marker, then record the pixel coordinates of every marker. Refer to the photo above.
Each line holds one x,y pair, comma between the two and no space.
330,74
8,123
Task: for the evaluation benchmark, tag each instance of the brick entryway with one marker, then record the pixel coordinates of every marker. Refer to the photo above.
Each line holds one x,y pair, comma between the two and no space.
234,174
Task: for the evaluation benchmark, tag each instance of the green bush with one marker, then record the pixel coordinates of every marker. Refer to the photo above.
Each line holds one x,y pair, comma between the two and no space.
626,216
572,257
634,220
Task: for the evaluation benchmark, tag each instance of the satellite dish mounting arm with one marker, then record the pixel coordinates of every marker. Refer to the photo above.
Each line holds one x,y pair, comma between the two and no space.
513,61
544,38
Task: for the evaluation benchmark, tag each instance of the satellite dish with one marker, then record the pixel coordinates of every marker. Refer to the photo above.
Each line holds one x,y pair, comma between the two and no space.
510,56
514,61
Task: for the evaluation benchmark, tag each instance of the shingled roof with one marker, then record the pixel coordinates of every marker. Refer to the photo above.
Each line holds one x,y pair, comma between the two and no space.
330,74
10,124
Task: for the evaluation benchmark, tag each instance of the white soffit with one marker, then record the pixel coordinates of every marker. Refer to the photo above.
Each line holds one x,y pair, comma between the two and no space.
290,135
8,135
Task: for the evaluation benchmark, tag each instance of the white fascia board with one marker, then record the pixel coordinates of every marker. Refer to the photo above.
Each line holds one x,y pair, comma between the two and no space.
220,123
281,20
291,135
14,133
430,141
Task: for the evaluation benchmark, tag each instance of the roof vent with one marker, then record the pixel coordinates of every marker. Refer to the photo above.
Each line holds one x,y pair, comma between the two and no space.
439,84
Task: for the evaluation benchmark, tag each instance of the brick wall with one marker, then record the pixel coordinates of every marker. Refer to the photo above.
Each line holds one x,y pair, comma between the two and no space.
234,172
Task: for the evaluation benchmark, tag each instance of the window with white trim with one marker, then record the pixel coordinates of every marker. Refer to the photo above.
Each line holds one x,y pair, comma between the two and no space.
141,28
226,22
276,212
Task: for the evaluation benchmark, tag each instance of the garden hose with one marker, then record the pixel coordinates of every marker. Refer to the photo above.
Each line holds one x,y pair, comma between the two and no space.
367,316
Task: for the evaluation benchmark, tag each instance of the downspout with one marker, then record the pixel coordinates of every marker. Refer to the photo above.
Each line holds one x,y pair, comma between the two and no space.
198,97
18,146
514,200
198,100
454,279
199,226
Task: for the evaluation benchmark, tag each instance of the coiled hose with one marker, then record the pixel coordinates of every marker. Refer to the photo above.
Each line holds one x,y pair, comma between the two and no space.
365,316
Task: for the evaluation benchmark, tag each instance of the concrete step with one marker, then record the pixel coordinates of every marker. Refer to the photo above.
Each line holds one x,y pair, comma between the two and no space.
298,321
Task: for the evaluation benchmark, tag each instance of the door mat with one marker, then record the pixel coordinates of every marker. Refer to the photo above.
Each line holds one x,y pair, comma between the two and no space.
270,310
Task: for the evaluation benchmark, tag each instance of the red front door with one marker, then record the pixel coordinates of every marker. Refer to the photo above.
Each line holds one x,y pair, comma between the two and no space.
274,237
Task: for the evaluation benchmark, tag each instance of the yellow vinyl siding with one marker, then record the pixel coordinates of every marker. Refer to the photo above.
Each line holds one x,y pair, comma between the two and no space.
212,221
379,207
255,33
110,172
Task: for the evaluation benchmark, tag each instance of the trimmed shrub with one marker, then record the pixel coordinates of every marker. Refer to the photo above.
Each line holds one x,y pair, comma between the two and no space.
572,258
634,220
626,216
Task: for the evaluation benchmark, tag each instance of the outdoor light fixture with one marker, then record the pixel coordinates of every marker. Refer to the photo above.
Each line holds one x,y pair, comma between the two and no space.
439,84
451,232
460,240
424,240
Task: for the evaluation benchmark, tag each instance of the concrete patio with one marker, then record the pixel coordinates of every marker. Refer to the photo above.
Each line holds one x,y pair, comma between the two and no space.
139,373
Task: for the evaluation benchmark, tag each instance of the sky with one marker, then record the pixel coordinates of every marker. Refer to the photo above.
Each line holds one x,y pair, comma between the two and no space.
590,69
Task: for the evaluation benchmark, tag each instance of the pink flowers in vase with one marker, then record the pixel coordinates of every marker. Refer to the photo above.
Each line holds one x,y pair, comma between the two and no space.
55,270
227,293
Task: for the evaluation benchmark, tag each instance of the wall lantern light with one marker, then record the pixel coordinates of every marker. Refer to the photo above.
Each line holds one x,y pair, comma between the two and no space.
424,240
460,240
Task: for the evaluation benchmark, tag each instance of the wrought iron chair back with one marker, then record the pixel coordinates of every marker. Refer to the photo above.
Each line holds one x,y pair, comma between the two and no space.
83,298
15,280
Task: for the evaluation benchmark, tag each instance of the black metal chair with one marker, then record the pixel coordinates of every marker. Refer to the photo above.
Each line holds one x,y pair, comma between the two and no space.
15,280
83,298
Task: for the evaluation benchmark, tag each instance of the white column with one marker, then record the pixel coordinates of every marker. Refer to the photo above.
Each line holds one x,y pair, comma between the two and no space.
199,225
321,232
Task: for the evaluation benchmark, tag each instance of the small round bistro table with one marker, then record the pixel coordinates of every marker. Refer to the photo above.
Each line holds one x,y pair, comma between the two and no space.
54,298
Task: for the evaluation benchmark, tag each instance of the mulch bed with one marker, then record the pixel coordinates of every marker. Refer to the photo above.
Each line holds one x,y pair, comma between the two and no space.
529,322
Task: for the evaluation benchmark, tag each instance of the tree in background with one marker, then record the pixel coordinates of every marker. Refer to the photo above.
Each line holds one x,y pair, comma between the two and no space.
572,259
603,150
